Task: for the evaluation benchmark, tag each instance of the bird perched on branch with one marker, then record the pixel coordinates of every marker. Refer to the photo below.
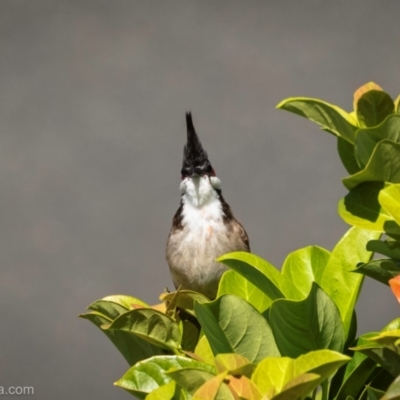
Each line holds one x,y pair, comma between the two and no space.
203,228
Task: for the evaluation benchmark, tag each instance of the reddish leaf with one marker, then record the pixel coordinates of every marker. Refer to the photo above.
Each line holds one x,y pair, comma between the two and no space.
395,286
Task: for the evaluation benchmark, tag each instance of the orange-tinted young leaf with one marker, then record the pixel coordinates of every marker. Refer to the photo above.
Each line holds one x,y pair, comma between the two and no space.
395,286
213,389
364,89
243,388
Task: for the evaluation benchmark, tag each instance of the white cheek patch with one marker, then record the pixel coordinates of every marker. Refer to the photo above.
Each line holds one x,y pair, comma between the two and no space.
215,182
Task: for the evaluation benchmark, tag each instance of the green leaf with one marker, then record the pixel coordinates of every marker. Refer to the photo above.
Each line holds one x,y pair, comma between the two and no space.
126,301
150,325
387,338
298,387
393,325
373,107
383,166
380,270
256,270
322,362
390,201
279,374
234,326
190,335
148,375
393,392
346,154
341,285
170,391
356,374
234,364
368,138
360,207
307,325
374,394
273,373
389,248
234,283
133,348
109,309
203,350
396,105
300,269
190,379
184,299
328,116
387,358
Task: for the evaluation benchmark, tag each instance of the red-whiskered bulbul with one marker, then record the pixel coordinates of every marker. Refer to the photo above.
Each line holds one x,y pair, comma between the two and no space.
204,227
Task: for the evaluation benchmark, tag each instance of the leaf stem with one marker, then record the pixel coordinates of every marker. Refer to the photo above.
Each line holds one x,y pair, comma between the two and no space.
314,393
324,386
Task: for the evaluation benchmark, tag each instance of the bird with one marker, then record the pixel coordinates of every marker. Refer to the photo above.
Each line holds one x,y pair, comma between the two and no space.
203,227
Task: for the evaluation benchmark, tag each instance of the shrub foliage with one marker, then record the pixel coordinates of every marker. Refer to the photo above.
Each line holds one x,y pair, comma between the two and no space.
284,334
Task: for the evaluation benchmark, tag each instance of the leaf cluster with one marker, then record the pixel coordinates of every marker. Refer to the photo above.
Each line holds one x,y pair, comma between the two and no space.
286,334
368,142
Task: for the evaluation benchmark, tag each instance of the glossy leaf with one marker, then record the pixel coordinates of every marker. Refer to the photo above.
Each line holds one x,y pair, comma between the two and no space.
234,326
132,348
390,201
387,338
273,373
170,391
373,107
383,166
256,270
129,302
148,375
346,154
298,387
150,325
109,309
234,283
387,358
190,335
322,362
381,270
234,364
393,325
279,374
368,138
190,379
361,208
389,248
300,269
328,116
204,351
338,281
311,324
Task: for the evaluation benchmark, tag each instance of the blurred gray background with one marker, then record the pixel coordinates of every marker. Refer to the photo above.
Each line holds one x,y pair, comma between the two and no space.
93,96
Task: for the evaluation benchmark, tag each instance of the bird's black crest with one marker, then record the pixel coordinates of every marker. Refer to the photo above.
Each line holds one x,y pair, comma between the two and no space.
195,158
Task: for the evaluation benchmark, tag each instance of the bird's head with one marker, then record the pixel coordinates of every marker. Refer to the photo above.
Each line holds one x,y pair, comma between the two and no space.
195,158
196,167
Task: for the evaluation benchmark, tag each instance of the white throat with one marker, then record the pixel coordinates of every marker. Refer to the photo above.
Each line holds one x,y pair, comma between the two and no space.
200,191
202,209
